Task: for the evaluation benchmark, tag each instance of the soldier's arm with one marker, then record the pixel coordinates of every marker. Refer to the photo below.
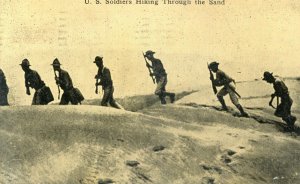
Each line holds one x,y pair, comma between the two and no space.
222,79
27,85
2,77
278,86
106,77
219,79
67,80
148,65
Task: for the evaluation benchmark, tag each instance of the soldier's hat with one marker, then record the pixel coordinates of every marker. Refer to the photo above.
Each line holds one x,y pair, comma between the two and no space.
56,62
149,52
214,63
98,59
25,62
267,75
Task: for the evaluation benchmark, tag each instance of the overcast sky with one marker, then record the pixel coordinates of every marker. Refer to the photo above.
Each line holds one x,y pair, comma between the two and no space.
246,37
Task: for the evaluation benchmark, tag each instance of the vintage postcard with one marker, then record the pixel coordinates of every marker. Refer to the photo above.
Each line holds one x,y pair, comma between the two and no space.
149,91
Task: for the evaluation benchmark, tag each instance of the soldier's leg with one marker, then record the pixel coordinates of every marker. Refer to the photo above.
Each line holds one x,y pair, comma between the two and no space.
64,99
165,93
234,99
159,91
105,97
3,100
40,97
220,96
34,99
112,101
286,104
73,98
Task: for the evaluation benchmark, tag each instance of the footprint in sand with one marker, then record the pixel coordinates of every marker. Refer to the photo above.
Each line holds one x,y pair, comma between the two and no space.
105,181
230,152
158,148
208,180
226,159
211,169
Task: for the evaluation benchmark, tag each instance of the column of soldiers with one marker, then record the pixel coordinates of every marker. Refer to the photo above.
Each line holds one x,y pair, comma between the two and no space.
43,94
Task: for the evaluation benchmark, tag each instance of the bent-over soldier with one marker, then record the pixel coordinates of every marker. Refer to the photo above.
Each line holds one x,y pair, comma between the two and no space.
64,81
283,109
160,76
3,89
43,94
228,84
106,82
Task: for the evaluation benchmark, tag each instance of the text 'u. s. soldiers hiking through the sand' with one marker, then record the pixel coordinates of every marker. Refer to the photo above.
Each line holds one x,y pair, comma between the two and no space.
43,94
64,81
3,89
160,76
228,84
283,109
106,82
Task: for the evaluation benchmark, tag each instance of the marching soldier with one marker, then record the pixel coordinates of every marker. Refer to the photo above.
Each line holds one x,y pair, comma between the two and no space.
283,110
43,94
160,76
64,81
3,89
228,84
106,82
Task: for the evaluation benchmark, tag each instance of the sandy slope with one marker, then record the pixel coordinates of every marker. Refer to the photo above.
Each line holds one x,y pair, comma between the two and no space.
82,144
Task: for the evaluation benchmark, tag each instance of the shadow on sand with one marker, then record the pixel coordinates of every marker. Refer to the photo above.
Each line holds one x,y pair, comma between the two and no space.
280,126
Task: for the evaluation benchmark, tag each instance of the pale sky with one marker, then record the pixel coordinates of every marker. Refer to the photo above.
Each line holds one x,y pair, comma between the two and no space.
247,37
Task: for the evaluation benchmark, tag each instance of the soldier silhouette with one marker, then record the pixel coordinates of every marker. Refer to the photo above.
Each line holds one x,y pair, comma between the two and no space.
64,81
43,94
160,76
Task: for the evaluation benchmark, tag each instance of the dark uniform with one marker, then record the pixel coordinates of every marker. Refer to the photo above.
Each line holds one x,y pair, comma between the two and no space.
107,84
222,79
3,89
283,110
66,84
64,81
161,78
228,87
43,94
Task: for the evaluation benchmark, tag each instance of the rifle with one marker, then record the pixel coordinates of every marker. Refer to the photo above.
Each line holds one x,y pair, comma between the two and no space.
234,91
57,85
96,91
212,78
271,101
149,68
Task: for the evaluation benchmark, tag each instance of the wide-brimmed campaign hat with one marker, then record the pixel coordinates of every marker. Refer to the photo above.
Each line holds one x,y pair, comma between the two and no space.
214,63
98,59
56,62
267,75
149,52
25,62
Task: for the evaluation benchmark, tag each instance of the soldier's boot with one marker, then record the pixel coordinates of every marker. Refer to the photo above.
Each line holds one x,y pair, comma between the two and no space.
162,99
290,120
243,113
171,95
222,101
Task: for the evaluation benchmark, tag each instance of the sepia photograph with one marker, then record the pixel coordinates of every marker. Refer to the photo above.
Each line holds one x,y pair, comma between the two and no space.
149,92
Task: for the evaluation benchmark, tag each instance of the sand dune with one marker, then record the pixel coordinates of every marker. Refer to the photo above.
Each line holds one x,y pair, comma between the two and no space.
186,142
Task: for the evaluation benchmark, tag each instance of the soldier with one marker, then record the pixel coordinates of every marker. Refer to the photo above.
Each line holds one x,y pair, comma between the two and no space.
222,79
283,110
3,89
106,82
160,76
64,81
43,94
